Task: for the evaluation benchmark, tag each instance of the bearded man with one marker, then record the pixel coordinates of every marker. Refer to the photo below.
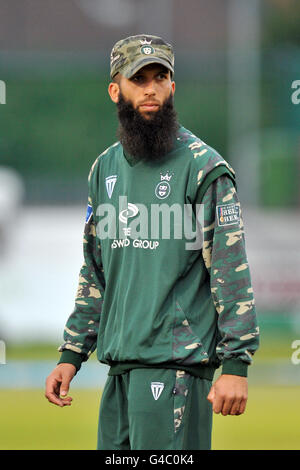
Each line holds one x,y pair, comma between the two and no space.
163,313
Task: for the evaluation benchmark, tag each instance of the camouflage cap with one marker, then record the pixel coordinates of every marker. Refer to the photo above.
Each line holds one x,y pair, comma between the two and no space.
131,54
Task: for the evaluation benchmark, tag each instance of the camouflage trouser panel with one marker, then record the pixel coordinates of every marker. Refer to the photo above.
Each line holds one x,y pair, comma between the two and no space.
192,412
182,388
155,409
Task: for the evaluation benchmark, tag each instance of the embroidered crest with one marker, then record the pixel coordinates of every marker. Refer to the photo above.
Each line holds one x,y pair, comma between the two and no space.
163,188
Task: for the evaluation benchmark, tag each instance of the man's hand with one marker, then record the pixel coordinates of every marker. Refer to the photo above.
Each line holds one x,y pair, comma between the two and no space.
57,384
229,395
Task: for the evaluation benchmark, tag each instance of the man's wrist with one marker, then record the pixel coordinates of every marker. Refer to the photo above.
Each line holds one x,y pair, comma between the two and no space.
235,366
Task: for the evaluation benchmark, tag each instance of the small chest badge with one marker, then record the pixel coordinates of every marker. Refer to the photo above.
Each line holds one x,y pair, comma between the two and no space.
163,188
110,182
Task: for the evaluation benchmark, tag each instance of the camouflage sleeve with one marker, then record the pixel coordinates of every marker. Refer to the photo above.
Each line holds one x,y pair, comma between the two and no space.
224,254
81,329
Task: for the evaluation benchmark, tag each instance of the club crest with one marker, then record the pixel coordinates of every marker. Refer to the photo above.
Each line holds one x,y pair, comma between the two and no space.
163,188
146,48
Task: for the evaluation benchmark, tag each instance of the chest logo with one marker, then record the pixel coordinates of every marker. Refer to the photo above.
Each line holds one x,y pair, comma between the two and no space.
163,188
110,182
131,211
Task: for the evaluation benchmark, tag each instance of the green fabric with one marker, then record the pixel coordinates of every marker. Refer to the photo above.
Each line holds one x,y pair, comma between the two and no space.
235,367
204,372
230,366
130,159
131,418
161,303
71,357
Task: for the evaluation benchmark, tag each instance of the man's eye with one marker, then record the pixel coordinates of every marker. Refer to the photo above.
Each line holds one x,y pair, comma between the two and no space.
137,78
162,76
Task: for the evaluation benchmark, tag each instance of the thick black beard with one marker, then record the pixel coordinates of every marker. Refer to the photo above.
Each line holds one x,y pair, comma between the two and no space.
147,139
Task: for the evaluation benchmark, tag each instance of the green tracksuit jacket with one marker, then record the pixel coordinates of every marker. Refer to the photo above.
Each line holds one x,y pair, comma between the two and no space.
147,297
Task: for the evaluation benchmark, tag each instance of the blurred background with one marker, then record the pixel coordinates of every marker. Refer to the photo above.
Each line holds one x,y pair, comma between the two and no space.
237,73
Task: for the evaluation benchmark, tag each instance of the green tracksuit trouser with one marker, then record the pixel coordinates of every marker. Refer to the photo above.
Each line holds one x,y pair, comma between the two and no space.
155,409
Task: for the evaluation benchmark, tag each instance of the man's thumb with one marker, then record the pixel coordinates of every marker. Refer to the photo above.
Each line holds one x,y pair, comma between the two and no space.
64,388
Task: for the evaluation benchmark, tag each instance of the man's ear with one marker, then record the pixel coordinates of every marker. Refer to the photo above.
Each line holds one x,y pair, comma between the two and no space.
113,91
173,87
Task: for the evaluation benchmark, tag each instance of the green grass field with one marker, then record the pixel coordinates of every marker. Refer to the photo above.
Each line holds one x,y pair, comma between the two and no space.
271,420
28,421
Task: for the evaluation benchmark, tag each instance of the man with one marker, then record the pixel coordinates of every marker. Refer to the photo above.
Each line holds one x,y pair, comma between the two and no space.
164,313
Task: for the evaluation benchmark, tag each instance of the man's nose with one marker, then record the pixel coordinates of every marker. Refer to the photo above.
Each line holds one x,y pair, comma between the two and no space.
150,88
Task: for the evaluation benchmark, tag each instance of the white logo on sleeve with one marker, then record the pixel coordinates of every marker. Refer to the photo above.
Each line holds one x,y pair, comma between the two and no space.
110,182
157,388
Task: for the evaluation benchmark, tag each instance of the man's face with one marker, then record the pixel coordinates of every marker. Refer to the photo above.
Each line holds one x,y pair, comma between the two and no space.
147,90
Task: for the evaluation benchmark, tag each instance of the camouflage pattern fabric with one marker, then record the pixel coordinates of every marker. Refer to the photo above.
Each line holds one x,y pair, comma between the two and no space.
225,258
131,54
203,153
184,339
81,331
181,390
224,254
